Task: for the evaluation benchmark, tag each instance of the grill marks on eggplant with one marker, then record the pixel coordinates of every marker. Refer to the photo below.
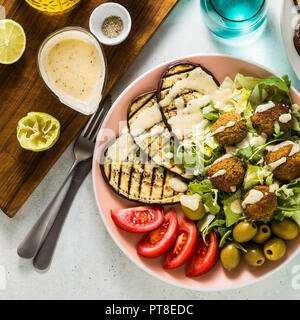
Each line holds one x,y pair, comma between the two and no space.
172,76
133,176
139,102
178,69
171,110
134,180
155,137
152,180
181,90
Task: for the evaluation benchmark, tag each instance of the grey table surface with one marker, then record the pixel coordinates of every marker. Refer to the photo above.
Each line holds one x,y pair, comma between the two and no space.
87,263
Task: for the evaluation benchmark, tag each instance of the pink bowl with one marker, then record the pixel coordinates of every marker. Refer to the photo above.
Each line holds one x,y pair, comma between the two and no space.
217,278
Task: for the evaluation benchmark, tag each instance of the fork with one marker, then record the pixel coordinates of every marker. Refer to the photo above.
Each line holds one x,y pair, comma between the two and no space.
83,150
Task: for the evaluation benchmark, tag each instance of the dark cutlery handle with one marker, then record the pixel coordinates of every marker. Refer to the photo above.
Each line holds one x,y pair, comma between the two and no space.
44,256
29,246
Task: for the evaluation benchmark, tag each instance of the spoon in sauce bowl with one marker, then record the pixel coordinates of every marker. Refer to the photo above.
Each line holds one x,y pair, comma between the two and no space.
73,66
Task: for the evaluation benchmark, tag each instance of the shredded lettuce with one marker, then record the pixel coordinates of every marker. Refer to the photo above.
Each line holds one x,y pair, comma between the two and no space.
200,187
269,180
277,131
212,143
254,175
291,186
245,153
271,89
242,81
242,96
240,99
231,216
210,203
289,201
205,222
296,118
250,126
227,84
259,149
208,193
211,116
296,124
216,223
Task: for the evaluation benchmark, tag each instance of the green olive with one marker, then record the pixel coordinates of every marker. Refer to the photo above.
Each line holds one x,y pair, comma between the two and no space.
254,255
197,214
230,256
274,249
244,231
263,234
286,229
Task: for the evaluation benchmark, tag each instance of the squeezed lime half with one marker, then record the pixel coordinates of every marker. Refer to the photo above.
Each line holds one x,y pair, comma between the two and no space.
38,131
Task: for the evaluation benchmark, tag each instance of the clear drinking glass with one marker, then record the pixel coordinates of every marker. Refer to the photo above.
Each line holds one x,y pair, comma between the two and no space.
233,18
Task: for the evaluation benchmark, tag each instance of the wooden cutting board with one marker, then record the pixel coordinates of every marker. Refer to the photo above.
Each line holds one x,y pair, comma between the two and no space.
22,90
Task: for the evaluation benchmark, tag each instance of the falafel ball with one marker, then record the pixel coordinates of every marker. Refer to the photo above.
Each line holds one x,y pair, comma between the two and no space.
286,160
259,203
227,173
230,129
266,114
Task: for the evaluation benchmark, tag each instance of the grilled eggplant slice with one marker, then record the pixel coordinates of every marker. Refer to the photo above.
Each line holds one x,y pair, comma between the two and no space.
150,133
126,169
297,37
184,88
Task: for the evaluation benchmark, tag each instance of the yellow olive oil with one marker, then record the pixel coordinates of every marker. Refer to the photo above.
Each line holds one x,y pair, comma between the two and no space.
53,6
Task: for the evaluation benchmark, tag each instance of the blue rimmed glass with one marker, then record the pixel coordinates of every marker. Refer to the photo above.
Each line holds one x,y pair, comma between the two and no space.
233,18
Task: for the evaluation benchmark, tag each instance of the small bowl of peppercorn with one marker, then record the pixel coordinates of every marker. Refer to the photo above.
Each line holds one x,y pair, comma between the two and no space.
110,23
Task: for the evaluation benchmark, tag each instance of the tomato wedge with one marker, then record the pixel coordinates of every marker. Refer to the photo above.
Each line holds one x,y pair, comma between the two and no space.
205,256
184,246
138,219
160,240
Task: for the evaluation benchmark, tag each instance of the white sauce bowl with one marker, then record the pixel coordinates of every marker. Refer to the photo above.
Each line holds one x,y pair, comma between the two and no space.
107,10
85,107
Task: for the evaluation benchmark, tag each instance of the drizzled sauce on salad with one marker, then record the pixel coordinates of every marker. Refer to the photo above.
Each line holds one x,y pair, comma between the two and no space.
286,117
273,165
146,119
223,128
178,185
226,156
253,197
264,107
295,147
236,206
219,173
188,117
191,202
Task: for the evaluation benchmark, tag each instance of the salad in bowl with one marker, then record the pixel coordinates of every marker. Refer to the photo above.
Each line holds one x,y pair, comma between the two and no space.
229,153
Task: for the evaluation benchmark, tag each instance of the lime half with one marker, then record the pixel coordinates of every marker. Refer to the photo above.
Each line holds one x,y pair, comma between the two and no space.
38,131
12,41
